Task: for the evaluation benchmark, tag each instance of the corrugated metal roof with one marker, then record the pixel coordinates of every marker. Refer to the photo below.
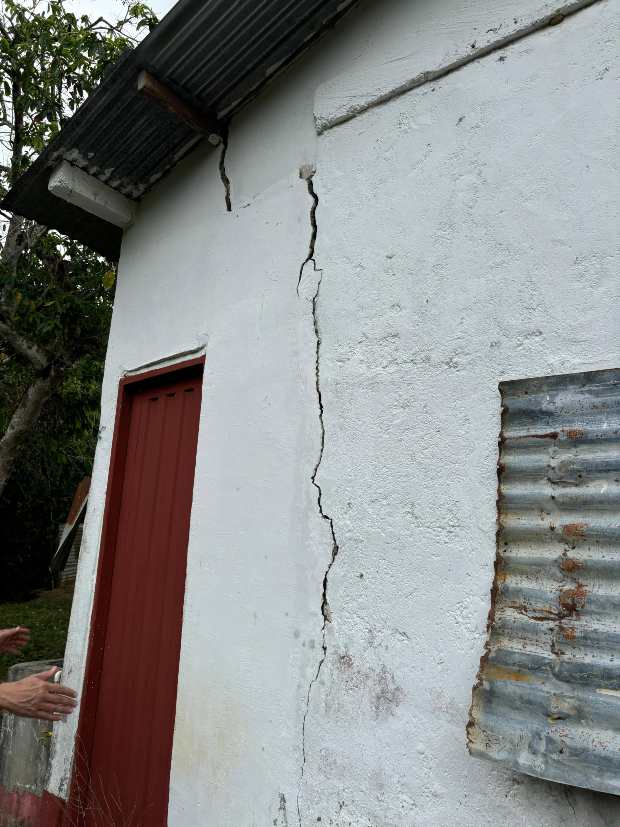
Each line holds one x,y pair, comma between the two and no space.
547,699
214,55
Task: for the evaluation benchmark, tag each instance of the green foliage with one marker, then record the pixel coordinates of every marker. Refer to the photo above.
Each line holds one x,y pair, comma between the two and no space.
58,298
55,295
48,618
50,60
56,456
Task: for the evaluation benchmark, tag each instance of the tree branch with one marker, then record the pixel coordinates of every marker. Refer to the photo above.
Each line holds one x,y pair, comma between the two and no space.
17,127
34,233
23,420
21,235
32,353
12,247
94,26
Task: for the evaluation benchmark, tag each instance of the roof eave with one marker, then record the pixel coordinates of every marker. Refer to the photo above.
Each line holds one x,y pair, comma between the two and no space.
130,140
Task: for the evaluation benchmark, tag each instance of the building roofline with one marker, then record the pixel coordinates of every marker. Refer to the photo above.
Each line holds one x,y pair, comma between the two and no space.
205,61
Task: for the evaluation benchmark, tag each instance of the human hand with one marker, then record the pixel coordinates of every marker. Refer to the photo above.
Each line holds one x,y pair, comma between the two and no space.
34,697
13,641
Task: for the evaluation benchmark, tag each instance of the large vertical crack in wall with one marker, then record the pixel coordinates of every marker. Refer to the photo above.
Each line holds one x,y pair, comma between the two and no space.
307,175
223,174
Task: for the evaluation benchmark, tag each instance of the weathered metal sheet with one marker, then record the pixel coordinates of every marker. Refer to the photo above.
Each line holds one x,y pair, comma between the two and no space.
215,55
64,561
547,698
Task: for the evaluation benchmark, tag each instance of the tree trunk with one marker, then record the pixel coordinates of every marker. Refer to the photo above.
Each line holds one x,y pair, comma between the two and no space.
22,421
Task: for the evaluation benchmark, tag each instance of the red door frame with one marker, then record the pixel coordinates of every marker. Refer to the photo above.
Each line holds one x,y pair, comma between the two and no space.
105,569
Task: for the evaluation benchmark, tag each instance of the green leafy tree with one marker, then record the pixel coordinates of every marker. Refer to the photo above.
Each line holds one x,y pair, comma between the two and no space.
55,295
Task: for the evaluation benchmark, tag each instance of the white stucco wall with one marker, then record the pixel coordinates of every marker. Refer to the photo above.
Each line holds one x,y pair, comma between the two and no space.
467,233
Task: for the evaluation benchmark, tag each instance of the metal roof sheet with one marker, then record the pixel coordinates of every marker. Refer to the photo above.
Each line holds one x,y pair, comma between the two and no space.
547,699
215,55
74,519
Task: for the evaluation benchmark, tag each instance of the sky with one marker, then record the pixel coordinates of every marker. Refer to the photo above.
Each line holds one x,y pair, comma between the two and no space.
114,8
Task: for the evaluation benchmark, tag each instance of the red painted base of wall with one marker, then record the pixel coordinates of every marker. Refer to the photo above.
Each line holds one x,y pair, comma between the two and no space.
30,810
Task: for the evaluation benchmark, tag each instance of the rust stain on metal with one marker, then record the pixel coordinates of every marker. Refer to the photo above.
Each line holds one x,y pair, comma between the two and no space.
573,433
569,565
534,612
574,531
573,601
496,585
492,672
567,632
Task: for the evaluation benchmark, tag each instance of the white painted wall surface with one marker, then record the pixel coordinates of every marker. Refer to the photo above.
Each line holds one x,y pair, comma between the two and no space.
467,233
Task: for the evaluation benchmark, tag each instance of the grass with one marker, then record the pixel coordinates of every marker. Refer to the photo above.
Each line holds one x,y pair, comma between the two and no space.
47,617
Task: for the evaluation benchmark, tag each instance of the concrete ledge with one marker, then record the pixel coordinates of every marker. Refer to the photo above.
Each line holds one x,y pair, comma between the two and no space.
86,192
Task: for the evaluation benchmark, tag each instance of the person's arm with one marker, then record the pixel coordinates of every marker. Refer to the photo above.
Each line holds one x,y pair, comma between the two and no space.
13,641
35,697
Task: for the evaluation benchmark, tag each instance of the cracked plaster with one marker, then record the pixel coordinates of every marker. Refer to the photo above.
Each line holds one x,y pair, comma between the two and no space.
307,175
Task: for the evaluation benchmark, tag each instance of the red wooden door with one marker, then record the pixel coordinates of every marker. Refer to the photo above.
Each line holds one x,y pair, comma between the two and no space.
130,696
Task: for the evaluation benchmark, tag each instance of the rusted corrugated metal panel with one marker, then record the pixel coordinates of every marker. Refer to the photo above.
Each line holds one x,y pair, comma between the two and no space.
67,540
69,572
547,698
215,55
